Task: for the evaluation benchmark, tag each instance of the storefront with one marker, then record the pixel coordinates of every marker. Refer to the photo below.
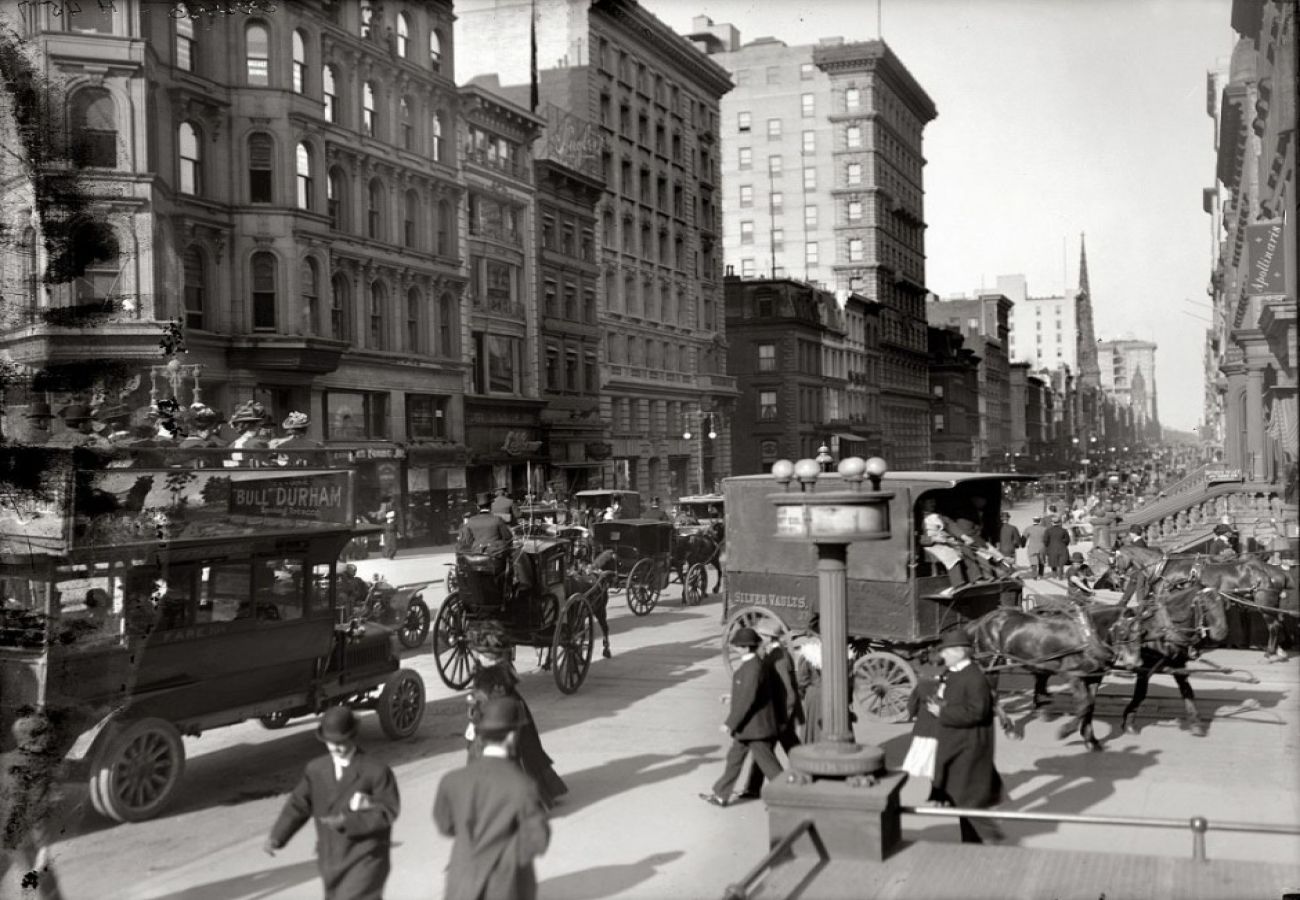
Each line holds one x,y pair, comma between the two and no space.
435,492
505,446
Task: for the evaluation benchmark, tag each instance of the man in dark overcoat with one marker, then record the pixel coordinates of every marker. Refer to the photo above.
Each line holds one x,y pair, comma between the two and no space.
354,800
752,722
494,814
1008,539
504,507
784,685
1056,544
484,532
964,774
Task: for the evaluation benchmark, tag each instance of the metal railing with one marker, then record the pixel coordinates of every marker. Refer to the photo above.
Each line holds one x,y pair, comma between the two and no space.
740,890
1198,825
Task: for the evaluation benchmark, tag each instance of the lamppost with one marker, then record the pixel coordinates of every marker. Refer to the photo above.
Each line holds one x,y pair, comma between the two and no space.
707,429
839,784
824,458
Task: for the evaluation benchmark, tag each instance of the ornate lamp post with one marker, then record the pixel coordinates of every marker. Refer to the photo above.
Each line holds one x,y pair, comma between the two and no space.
840,784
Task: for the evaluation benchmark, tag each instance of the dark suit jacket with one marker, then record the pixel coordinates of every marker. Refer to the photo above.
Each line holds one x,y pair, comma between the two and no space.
964,757
785,690
493,811
353,860
483,530
752,715
1057,541
504,507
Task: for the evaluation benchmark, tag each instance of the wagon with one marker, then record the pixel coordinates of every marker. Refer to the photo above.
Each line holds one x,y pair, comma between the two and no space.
699,515
591,505
700,511
896,603
145,604
547,609
642,550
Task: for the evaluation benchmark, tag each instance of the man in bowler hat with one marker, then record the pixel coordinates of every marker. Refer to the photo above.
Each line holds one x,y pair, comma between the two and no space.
964,774
484,532
354,800
493,813
752,722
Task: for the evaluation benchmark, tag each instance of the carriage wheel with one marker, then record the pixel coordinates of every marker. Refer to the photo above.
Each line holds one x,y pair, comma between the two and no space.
575,634
882,684
642,592
694,584
451,650
401,704
416,627
276,720
137,771
451,582
759,618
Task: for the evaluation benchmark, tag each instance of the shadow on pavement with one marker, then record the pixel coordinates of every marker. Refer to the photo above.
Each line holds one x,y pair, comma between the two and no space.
587,786
604,881
248,887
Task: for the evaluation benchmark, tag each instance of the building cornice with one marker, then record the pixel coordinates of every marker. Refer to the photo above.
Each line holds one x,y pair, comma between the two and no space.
875,56
688,61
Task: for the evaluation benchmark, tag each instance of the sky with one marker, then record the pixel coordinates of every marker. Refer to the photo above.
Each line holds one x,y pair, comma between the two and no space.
1056,117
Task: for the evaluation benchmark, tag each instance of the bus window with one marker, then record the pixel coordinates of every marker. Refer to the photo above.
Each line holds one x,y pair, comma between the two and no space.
227,593
278,589
175,599
319,602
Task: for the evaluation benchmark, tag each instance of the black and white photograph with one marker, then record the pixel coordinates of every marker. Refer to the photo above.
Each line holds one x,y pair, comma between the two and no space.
649,450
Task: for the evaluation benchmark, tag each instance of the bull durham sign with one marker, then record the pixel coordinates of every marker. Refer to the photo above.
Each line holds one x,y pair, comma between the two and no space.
323,497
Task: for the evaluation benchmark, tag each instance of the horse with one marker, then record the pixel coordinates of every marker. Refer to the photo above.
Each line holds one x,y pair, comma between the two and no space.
1066,643
1262,582
704,548
597,574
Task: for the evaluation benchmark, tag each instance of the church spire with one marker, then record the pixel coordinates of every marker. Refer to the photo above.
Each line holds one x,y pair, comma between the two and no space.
1089,372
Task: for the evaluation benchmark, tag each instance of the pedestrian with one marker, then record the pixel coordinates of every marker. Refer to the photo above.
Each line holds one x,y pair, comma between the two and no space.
785,701
493,679
964,772
1056,547
386,516
504,508
1008,539
919,762
808,675
353,798
493,813
28,777
752,722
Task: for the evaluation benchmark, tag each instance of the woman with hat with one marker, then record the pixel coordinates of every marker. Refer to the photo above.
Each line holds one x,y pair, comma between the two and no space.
203,425
964,774
354,799
495,678
247,420
295,426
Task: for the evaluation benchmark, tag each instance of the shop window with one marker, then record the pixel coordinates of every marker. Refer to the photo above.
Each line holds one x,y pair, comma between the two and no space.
426,417
356,415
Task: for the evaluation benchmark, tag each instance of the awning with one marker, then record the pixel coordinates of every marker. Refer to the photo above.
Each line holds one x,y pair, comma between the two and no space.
434,454
844,436
577,465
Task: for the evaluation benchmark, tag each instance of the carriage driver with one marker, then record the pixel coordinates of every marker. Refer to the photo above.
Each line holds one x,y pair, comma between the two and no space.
487,533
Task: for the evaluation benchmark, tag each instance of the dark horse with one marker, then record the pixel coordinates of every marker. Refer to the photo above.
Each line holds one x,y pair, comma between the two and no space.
594,579
705,548
1262,583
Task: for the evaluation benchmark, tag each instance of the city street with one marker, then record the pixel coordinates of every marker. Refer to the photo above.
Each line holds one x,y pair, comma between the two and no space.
640,740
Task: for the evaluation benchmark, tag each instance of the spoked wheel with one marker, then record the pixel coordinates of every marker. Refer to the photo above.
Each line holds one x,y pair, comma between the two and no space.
136,773
759,618
575,635
401,704
450,581
451,650
882,684
695,584
642,588
416,627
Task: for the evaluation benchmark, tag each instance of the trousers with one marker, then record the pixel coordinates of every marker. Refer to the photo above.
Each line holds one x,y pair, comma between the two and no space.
764,758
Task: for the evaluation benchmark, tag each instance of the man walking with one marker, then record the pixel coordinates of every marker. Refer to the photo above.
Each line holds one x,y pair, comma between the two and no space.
354,800
494,815
1057,547
751,723
1035,541
1008,539
964,774
785,702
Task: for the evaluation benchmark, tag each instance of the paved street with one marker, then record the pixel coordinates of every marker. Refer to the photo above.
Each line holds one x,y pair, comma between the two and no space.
640,740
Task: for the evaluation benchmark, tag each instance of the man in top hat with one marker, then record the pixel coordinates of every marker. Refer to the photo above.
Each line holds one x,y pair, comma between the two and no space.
752,722
484,532
1008,539
493,813
1221,547
28,803
354,800
656,511
964,774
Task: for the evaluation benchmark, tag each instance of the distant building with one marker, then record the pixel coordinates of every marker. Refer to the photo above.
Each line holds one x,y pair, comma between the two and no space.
822,180
1042,330
1128,376
983,321
954,400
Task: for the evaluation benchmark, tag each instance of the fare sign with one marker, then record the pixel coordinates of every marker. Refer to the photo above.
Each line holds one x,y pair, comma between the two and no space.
323,497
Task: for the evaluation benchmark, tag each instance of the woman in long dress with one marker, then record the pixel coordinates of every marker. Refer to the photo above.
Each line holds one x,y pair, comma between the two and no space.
808,675
496,678
919,762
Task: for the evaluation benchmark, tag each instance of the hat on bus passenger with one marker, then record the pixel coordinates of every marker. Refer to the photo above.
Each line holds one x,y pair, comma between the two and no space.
248,411
295,420
338,725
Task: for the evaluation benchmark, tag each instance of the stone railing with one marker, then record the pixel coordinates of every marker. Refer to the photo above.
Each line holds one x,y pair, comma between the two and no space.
1249,508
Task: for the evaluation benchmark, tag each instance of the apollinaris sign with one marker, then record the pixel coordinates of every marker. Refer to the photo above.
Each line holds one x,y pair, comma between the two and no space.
321,497
1266,273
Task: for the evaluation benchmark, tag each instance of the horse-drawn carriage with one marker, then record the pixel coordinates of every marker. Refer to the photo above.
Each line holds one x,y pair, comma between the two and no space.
597,505
641,557
897,605
699,541
533,597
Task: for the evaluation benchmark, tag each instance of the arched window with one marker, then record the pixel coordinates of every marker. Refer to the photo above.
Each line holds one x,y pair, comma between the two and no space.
305,177
31,270
436,150
405,125
263,294
329,93
186,46
195,293
368,118
310,296
340,308
367,18
336,193
403,35
435,49
446,325
98,281
375,210
410,229
191,173
412,334
94,128
378,302
299,61
261,164
445,226
257,50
